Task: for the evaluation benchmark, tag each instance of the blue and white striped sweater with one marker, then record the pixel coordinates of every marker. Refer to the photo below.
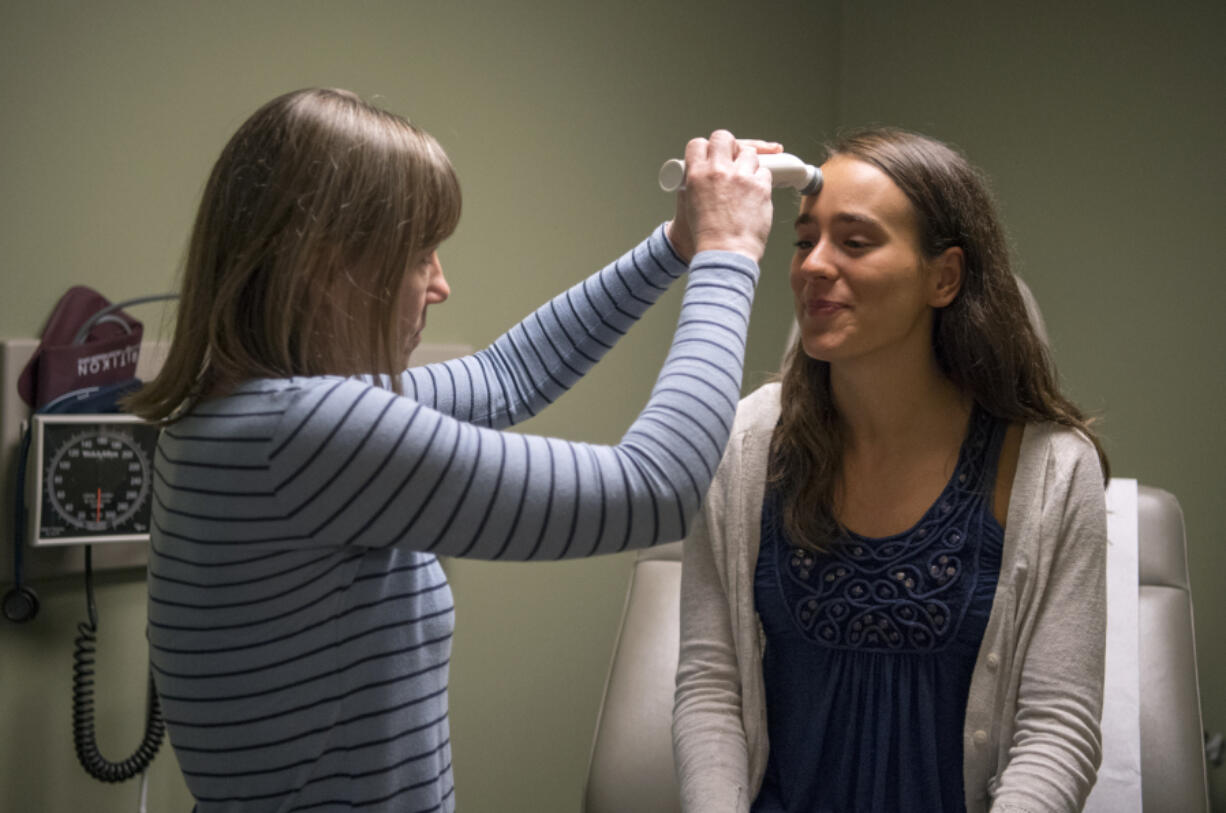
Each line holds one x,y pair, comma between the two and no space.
299,623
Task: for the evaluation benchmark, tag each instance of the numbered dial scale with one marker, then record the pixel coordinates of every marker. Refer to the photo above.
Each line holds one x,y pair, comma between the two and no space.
90,479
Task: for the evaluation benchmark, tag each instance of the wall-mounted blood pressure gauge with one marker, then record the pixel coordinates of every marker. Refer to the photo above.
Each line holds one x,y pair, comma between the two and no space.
90,479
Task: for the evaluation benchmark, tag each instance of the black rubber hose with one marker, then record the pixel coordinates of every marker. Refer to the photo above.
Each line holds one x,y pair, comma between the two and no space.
83,737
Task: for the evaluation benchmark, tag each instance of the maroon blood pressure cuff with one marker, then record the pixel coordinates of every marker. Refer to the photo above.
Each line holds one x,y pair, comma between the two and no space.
107,356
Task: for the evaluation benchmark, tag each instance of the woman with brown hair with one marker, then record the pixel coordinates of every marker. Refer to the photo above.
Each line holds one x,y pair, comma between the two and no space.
893,599
299,622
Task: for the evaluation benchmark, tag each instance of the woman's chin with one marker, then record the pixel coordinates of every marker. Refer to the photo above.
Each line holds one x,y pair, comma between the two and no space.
409,347
819,350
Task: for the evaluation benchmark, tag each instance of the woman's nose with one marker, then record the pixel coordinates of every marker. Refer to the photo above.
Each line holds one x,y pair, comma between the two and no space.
438,290
817,261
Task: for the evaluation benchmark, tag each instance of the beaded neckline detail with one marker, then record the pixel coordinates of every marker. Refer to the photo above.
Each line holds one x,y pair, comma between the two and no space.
901,593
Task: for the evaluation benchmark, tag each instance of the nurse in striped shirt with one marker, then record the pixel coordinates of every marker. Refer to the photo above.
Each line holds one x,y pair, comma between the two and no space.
299,623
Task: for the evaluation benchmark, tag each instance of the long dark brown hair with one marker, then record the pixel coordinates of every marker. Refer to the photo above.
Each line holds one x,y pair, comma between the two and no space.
983,340
314,211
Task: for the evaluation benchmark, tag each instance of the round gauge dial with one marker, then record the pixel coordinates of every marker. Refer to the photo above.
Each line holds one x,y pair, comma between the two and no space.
97,480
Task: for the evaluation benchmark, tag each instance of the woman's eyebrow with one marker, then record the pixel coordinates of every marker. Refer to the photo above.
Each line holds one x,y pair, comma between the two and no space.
806,219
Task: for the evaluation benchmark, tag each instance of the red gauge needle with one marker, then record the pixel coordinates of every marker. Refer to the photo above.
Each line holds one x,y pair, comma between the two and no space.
98,510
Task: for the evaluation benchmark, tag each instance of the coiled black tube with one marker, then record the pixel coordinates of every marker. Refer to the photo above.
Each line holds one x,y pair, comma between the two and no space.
83,737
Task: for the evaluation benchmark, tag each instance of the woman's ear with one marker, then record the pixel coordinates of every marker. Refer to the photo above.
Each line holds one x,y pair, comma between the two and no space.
947,271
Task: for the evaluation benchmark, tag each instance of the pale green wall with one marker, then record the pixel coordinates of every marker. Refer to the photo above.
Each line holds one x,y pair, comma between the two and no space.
1102,132
557,116
1102,126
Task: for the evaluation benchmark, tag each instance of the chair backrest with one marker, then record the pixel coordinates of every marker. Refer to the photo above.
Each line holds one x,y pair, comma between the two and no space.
1173,772
631,767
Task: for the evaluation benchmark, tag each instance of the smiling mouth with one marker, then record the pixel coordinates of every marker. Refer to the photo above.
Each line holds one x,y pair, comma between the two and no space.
823,307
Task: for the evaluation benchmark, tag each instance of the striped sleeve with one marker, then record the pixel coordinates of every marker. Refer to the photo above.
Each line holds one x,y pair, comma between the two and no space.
532,364
351,464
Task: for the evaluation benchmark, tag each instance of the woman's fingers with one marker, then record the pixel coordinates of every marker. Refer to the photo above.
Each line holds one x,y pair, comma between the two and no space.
727,201
759,146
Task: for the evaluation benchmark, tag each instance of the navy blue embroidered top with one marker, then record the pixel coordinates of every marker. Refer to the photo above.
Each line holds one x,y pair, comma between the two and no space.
870,648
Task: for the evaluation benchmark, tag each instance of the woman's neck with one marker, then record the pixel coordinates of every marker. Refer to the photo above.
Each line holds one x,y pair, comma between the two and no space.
891,406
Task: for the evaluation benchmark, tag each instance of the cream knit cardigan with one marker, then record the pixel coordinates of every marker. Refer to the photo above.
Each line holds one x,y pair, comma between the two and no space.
1031,739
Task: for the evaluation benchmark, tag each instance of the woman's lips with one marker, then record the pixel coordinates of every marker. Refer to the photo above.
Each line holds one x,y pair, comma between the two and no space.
823,307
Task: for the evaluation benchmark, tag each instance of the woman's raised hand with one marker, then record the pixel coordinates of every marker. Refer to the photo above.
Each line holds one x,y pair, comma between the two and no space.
726,202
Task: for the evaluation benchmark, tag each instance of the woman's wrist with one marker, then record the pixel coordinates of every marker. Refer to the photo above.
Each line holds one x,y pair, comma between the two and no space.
748,246
680,240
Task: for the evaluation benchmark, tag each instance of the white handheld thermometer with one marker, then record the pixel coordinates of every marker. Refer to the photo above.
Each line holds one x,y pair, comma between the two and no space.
785,170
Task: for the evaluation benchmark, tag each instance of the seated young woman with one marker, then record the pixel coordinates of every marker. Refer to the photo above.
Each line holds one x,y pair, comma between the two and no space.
894,596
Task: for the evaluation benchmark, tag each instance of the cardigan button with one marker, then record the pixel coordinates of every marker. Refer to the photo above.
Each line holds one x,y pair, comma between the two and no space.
980,736
993,661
